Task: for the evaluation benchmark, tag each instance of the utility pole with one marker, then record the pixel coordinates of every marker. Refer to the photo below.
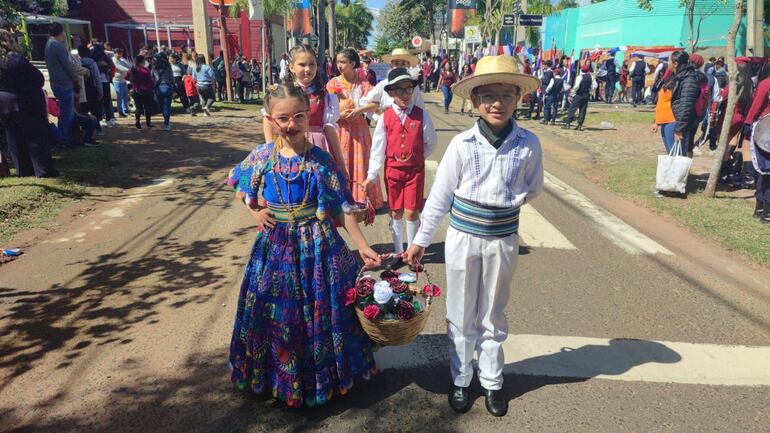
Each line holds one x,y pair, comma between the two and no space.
755,37
322,34
223,45
201,29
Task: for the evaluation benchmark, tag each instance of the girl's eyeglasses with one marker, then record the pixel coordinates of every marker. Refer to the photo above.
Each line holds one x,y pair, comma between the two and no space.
283,120
402,91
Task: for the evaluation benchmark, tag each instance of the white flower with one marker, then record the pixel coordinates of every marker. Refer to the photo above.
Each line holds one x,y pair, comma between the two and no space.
382,292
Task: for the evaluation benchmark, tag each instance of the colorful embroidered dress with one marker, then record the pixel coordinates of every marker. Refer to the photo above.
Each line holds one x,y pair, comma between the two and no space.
293,335
355,138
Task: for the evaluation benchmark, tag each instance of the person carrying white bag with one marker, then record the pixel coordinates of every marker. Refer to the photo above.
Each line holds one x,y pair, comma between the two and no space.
673,170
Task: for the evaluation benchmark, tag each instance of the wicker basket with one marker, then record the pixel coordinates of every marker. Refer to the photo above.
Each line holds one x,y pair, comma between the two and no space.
395,332
364,212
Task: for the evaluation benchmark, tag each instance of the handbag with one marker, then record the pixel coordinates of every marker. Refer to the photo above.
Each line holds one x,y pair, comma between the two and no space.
673,170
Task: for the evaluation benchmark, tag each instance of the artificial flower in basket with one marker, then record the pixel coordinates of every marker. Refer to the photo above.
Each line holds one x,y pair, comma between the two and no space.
393,310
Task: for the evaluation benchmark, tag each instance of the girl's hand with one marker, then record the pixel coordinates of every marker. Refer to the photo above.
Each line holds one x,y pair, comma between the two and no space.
654,127
414,255
370,257
367,184
349,114
264,217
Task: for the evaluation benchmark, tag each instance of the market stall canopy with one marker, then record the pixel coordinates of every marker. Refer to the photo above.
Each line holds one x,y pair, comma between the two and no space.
46,19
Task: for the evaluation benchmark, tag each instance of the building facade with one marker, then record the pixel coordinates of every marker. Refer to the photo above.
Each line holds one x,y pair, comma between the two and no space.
126,24
616,23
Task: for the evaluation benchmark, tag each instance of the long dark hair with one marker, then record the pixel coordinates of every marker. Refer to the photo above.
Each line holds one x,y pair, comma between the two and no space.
352,57
745,85
320,89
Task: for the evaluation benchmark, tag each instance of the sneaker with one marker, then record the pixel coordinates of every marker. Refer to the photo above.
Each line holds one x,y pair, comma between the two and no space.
206,112
138,125
92,143
99,133
104,124
113,122
150,125
167,127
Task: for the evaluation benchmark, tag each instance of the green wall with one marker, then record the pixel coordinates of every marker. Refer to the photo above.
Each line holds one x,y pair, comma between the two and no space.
615,23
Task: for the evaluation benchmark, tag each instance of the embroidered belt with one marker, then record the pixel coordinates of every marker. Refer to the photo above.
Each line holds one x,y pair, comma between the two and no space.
476,219
293,213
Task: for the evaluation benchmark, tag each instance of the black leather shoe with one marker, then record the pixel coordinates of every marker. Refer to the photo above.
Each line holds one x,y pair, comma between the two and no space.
496,404
393,263
459,399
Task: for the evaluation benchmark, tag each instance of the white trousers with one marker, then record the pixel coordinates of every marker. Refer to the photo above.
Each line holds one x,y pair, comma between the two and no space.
479,275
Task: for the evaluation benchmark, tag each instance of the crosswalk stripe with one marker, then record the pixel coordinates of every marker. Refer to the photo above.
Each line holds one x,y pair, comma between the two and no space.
608,225
602,358
536,231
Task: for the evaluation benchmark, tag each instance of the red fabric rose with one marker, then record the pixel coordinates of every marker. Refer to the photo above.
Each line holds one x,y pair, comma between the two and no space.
405,310
350,296
388,274
371,312
432,290
397,285
364,287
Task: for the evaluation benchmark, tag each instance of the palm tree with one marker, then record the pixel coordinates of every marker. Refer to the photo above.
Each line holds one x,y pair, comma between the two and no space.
537,7
354,24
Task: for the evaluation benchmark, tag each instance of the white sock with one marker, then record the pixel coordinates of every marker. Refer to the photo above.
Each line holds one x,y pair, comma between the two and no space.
411,231
396,232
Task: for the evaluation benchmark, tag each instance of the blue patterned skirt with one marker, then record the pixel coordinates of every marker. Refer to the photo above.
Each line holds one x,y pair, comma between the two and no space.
293,335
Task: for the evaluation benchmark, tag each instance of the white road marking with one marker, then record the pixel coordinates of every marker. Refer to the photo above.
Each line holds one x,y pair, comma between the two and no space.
608,225
601,358
536,231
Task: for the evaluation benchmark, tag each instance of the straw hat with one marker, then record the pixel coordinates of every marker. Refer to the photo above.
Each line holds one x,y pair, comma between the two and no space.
495,70
401,54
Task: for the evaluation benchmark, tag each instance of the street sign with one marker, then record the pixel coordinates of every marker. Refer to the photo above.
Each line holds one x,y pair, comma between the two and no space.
509,20
530,20
472,34
417,42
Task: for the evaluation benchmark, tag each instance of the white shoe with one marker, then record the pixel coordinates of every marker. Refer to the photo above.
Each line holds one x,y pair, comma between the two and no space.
104,124
167,127
206,112
113,122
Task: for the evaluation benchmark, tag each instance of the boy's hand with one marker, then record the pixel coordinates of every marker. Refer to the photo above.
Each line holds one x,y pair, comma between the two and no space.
367,184
414,255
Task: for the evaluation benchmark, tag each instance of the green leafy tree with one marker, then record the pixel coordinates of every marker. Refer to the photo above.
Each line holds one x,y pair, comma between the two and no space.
382,46
399,23
432,8
272,8
354,24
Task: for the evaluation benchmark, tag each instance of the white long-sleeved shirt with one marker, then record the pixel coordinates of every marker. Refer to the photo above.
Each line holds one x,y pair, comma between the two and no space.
474,170
380,96
579,80
380,142
553,83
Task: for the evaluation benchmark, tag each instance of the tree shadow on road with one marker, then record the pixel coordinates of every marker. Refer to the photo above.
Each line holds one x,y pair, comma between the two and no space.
204,400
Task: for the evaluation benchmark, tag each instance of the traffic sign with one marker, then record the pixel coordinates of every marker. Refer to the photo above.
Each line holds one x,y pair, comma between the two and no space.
472,34
417,42
509,20
530,20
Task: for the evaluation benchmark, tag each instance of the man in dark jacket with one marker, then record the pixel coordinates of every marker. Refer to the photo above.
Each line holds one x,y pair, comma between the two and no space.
638,72
687,90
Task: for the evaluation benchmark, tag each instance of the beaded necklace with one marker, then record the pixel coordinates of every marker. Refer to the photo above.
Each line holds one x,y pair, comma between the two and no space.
288,178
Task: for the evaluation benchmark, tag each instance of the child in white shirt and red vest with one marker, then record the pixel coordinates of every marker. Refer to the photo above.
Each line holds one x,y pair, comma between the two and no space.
486,174
403,138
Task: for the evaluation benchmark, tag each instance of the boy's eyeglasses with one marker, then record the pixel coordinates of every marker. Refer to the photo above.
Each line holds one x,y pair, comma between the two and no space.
402,91
491,98
296,117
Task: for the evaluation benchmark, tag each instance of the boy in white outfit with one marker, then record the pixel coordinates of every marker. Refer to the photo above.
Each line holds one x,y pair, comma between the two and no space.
487,173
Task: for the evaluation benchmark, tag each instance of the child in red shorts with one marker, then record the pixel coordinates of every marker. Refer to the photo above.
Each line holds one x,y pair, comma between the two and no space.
192,92
403,138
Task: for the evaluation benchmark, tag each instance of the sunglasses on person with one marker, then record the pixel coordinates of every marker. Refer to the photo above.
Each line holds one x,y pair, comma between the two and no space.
402,91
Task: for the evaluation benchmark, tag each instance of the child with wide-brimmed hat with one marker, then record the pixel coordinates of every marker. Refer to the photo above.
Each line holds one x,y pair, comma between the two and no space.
377,100
487,173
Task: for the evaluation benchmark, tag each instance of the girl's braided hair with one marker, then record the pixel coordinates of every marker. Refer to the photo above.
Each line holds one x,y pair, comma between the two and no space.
285,90
320,89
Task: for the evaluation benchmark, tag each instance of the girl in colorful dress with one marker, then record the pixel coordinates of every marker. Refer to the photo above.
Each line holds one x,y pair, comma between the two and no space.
293,336
354,135
324,106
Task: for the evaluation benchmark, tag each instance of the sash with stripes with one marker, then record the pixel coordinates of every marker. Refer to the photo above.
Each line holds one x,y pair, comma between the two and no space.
294,214
475,219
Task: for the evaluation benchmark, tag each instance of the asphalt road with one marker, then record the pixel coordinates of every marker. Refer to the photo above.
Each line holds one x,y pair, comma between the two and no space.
119,318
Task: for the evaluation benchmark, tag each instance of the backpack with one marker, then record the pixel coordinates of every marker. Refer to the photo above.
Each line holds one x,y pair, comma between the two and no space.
704,96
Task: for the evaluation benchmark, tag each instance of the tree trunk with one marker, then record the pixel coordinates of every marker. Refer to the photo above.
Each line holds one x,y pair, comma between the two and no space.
268,63
691,22
332,28
732,74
